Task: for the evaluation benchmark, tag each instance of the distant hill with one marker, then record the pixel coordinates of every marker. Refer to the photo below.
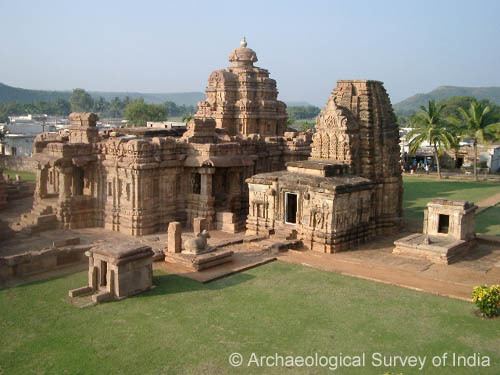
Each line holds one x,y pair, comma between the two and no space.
413,103
14,94
179,98
297,104
19,95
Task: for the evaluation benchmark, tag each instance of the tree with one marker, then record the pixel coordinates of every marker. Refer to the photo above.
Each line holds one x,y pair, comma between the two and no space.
303,112
137,112
478,123
187,118
100,105
428,125
81,101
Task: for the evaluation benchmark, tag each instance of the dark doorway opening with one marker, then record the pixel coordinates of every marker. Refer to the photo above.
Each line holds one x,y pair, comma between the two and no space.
196,183
104,273
78,176
444,224
291,208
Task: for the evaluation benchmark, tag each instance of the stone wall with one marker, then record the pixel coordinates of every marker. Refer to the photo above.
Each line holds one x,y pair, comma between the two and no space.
27,264
18,163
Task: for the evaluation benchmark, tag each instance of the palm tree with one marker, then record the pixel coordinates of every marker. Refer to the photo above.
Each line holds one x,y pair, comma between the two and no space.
477,124
429,126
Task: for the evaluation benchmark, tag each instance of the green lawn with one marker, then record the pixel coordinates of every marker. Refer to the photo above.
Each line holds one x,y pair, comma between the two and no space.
26,176
418,191
183,326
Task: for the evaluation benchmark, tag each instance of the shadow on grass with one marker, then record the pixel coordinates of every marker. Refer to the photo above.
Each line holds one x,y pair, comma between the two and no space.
487,220
45,277
174,284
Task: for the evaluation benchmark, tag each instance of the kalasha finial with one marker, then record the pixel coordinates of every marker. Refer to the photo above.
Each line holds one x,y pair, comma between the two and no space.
243,42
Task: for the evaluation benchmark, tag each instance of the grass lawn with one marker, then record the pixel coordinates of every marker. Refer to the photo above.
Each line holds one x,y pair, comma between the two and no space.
186,327
26,176
418,191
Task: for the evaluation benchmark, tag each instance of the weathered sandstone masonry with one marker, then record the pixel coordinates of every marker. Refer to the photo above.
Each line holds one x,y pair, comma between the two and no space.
351,188
243,99
448,232
117,272
138,180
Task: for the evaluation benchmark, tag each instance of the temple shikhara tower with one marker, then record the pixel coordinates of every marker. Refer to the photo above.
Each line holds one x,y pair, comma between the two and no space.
351,187
243,99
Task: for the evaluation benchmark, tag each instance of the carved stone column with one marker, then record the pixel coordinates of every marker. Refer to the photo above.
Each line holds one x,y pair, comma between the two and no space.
206,207
65,182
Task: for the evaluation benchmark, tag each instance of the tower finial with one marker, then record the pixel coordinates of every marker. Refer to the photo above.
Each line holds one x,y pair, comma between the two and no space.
243,42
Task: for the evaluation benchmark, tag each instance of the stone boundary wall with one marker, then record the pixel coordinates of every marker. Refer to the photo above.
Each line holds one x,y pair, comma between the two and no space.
18,163
23,265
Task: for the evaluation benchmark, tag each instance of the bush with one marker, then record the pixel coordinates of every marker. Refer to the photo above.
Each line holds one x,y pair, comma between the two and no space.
487,299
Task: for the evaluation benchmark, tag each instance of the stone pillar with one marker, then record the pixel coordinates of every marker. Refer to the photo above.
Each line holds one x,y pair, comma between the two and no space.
174,240
199,225
44,175
65,183
207,201
206,181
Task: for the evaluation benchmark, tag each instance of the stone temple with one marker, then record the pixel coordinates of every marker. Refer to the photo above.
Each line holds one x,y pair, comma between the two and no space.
350,189
138,180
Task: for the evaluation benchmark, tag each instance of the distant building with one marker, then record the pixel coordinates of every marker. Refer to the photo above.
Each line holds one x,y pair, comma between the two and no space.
28,118
494,160
165,124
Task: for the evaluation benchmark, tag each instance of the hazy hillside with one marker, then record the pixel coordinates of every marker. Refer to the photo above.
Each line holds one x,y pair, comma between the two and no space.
414,102
179,98
15,94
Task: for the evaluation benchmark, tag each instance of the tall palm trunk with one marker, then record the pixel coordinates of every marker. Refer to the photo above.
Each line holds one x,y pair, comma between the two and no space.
475,160
436,157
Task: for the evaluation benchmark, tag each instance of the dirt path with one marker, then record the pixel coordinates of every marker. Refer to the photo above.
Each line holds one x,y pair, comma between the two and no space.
450,281
483,204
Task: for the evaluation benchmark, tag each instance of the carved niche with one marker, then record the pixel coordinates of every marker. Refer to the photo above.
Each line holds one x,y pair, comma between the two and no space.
337,135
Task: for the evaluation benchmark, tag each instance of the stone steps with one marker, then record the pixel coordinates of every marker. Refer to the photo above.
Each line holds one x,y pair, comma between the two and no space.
40,219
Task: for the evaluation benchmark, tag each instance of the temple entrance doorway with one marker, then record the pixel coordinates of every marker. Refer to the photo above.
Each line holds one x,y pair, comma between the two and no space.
290,208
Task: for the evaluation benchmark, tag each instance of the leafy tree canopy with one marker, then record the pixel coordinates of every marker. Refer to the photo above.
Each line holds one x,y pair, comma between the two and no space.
302,112
137,112
81,101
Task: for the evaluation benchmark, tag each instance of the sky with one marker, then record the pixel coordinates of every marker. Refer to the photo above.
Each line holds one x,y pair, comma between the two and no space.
413,46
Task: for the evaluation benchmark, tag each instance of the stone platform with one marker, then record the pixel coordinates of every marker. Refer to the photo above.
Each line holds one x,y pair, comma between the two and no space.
199,262
441,250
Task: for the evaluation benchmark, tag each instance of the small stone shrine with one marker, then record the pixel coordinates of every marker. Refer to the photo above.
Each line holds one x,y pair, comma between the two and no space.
117,271
448,232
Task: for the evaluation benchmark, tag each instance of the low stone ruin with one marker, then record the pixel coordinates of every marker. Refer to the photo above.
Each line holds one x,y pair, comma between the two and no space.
448,232
117,271
195,253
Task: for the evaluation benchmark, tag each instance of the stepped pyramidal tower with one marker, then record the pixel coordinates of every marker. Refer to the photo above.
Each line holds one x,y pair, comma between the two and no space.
243,99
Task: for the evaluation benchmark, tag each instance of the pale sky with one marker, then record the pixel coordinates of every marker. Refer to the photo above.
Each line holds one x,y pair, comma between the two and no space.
172,46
